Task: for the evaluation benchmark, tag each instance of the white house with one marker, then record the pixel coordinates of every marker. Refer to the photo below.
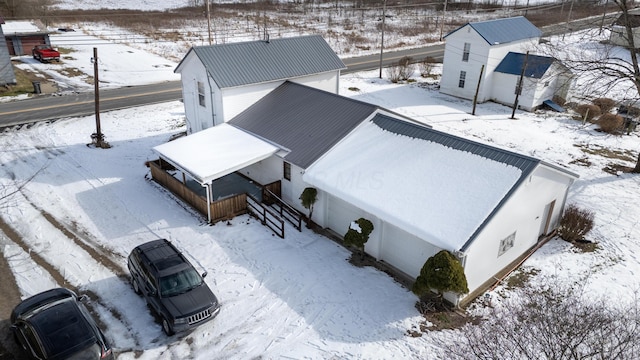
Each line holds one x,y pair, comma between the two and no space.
424,190
618,34
219,81
474,51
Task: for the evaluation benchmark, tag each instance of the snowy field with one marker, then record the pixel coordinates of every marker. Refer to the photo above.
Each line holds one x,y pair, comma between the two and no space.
297,297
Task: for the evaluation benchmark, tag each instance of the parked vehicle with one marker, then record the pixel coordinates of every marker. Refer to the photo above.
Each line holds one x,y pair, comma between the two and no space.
172,287
45,53
56,325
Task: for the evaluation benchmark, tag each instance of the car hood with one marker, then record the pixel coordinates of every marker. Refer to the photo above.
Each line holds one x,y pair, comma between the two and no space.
193,301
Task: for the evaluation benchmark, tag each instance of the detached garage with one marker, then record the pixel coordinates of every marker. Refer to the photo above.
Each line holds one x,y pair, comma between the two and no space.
426,191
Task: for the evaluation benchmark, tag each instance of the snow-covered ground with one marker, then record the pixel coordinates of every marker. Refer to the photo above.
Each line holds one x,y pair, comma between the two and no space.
296,297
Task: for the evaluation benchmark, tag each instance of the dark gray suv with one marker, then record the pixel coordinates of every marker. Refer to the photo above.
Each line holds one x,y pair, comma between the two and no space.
172,286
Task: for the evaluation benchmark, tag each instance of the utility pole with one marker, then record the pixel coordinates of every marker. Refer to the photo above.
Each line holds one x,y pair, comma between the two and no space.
444,12
384,15
209,21
97,137
519,86
475,97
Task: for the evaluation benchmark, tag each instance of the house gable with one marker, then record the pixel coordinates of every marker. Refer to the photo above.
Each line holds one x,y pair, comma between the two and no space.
473,51
238,64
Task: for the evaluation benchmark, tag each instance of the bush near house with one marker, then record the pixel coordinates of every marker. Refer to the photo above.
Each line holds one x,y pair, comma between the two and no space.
605,104
611,123
443,273
575,223
358,234
588,112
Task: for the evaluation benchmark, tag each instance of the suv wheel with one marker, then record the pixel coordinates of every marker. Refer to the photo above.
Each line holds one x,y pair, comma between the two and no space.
136,288
166,327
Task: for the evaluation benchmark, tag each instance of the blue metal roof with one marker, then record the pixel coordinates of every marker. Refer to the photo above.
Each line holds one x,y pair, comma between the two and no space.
237,64
536,67
500,31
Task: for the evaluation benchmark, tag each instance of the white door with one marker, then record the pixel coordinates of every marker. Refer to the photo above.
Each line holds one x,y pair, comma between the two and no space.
404,251
341,214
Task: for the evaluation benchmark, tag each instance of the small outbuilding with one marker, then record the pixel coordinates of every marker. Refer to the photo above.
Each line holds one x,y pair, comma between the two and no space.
22,36
618,35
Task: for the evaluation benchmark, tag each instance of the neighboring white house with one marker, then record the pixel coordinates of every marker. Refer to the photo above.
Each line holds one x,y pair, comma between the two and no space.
480,47
220,81
618,34
423,190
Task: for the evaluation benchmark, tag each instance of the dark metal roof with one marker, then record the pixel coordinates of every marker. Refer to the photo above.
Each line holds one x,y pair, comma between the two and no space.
500,31
525,163
537,65
237,64
306,121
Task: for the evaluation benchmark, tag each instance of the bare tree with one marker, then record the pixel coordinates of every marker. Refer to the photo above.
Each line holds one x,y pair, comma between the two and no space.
557,322
606,68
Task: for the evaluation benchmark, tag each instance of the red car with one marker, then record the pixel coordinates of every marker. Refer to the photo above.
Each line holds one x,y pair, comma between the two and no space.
45,53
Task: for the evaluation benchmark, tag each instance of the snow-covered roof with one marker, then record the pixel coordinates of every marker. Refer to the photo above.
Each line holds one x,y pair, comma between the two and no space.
436,186
252,62
21,27
212,153
501,31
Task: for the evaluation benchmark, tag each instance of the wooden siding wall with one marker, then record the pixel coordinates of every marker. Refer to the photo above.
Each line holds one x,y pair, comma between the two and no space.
220,210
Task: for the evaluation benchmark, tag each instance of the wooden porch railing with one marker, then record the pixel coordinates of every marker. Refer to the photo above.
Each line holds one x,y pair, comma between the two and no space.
220,209
284,210
266,216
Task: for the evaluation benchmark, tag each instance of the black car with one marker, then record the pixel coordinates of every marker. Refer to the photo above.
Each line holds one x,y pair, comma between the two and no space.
56,325
172,287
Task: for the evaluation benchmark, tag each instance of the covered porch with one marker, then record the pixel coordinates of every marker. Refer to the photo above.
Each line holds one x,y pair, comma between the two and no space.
201,169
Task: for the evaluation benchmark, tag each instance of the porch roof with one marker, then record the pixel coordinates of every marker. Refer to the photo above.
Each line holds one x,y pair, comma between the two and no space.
215,152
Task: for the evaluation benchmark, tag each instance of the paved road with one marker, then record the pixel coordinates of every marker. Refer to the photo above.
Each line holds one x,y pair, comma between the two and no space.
42,108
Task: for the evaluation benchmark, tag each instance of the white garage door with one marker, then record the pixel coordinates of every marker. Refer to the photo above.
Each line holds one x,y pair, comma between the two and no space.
341,214
405,251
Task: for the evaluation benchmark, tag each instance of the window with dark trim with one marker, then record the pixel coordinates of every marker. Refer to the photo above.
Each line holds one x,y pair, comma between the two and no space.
463,77
506,243
466,51
286,171
201,94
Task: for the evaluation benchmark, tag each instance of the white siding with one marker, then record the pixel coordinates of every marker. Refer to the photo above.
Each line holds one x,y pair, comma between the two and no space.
238,99
198,117
453,64
523,214
481,53
404,251
265,171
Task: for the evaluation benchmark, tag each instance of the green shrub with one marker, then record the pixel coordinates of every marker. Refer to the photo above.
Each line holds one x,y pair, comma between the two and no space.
605,104
588,111
575,223
611,123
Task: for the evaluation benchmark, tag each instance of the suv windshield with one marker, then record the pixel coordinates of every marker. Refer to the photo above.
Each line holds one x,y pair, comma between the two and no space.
179,283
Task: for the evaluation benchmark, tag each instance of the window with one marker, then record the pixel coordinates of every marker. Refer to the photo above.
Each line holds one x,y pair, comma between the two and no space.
201,93
465,52
286,171
463,76
506,244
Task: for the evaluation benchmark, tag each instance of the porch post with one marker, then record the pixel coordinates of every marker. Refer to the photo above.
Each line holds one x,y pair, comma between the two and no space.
208,191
